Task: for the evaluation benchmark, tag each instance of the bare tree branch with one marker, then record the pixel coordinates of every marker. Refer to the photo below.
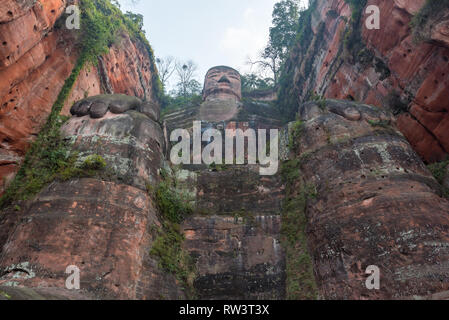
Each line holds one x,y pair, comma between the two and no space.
166,67
185,72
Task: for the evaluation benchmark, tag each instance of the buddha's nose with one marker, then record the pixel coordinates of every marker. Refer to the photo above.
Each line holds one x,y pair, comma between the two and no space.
224,79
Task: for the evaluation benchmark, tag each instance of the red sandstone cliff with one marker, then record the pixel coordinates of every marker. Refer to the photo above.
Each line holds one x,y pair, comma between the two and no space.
392,69
36,58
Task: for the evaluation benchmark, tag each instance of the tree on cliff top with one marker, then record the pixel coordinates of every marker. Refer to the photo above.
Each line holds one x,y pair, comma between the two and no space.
252,82
166,67
285,26
137,19
187,85
282,37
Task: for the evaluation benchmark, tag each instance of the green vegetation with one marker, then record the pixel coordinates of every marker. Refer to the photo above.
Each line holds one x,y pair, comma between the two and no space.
282,37
380,123
173,205
430,9
49,157
188,91
248,217
395,103
218,167
4,294
321,100
287,96
353,38
439,171
296,132
173,103
101,23
94,162
300,278
252,82
167,248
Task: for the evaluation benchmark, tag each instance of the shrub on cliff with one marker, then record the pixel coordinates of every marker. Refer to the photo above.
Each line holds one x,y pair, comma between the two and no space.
300,280
353,38
440,172
48,157
430,10
167,248
173,205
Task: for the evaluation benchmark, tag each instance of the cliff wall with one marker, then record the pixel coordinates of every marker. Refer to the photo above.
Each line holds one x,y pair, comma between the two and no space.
37,54
402,67
370,202
98,215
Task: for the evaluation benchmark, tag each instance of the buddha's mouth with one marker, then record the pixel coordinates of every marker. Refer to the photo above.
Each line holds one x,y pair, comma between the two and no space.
221,88
224,85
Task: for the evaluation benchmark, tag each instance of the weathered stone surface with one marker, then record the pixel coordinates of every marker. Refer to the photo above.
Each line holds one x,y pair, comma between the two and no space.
238,190
377,204
221,114
131,144
261,95
98,110
150,109
24,26
222,83
416,71
234,235
101,227
115,103
16,293
236,259
12,9
35,60
421,139
219,110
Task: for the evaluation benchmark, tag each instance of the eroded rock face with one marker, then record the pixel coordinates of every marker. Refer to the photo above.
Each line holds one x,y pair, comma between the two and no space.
222,83
251,114
102,227
376,204
131,144
234,234
35,60
246,191
236,258
391,63
16,293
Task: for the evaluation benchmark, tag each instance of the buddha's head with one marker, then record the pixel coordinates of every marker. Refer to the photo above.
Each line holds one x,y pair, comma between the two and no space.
222,83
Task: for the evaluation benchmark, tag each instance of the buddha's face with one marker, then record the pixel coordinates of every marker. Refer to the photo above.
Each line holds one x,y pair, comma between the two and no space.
222,83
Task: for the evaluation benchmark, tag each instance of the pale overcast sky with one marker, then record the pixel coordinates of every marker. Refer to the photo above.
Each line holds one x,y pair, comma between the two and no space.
209,32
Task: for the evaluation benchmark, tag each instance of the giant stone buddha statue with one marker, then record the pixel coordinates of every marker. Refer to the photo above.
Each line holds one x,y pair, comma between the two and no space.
221,94
222,83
